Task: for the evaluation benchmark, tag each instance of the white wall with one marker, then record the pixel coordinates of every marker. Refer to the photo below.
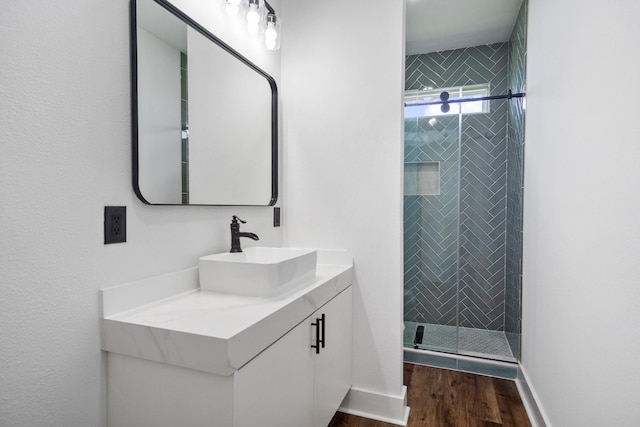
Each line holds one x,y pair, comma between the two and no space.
159,120
342,68
235,112
581,301
65,153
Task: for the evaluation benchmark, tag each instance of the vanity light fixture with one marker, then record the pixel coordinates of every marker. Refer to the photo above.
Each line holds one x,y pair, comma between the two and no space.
254,15
271,41
232,7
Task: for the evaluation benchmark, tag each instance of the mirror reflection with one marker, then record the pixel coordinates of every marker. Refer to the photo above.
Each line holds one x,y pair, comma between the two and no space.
205,118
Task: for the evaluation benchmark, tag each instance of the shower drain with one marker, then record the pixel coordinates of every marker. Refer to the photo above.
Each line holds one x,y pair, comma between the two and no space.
419,335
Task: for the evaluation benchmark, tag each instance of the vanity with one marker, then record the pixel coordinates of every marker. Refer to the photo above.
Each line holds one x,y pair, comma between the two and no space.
256,338
182,352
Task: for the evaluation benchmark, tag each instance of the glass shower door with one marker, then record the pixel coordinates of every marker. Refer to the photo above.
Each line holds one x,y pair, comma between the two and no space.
431,231
459,223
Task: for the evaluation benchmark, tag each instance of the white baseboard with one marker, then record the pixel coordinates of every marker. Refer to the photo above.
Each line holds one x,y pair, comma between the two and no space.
376,406
530,400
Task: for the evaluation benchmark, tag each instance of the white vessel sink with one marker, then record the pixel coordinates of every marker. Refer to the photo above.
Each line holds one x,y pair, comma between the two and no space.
258,271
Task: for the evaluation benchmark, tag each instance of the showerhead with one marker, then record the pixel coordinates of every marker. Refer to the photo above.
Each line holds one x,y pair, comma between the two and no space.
444,97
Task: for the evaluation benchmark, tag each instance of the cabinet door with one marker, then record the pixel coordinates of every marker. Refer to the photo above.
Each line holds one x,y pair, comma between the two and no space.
276,387
333,364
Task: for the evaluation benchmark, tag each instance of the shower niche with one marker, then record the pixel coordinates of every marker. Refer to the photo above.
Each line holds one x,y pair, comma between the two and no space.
422,179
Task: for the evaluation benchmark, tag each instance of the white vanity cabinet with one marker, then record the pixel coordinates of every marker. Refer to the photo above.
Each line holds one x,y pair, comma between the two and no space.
293,384
332,365
287,385
180,355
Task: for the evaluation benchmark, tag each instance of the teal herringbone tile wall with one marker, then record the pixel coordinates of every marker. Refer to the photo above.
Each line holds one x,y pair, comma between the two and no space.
455,242
431,225
515,181
483,219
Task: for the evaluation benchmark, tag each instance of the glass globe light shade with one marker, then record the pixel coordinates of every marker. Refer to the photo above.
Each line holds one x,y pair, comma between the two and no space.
271,33
232,9
253,17
270,44
253,28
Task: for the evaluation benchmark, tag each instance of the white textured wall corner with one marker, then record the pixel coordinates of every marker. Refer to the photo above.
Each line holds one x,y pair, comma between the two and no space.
65,153
581,233
342,90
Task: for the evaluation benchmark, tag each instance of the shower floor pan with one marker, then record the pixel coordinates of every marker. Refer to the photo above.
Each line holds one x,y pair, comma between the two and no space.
467,341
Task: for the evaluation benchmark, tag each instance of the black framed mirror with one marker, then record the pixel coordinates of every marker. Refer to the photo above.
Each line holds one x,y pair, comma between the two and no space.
205,118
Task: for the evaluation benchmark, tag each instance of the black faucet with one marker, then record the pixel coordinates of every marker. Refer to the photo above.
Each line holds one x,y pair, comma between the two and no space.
236,234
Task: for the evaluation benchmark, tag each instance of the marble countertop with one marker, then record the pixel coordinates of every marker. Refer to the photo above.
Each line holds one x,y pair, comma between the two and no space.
168,319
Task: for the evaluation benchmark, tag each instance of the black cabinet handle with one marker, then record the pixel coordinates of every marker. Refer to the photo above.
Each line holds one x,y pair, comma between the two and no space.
323,327
317,325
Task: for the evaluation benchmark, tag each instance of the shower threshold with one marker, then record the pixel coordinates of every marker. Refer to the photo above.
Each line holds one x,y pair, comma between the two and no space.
480,343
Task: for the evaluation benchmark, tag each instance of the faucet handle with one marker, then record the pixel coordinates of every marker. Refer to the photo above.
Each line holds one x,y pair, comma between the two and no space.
236,218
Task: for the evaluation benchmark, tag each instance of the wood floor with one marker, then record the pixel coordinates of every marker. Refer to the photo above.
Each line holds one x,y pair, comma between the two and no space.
445,398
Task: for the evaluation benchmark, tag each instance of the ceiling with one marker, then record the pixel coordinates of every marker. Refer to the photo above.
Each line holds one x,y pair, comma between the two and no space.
435,25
